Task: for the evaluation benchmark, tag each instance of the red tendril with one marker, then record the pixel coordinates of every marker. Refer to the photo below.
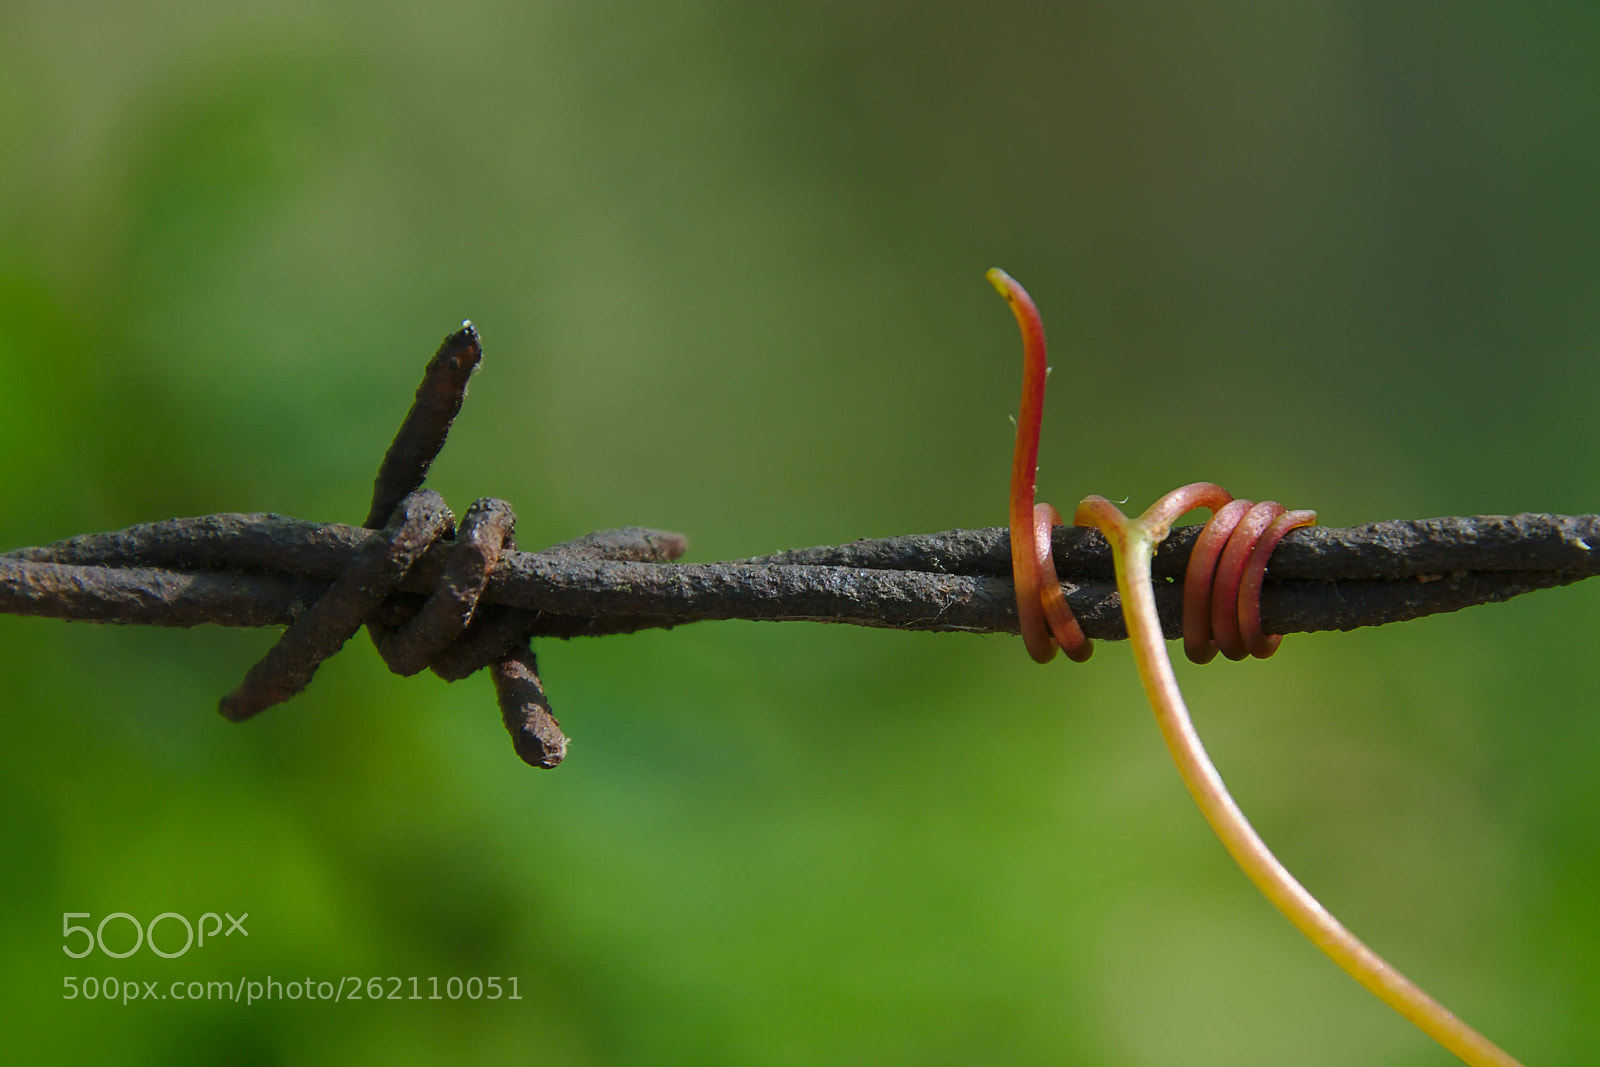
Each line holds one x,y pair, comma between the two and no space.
1047,622
1222,597
1222,587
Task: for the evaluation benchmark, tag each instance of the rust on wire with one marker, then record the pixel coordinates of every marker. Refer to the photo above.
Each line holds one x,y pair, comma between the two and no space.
460,599
421,436
377,568
410,520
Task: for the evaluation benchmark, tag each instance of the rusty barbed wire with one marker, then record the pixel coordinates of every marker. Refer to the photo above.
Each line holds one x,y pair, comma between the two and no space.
460,599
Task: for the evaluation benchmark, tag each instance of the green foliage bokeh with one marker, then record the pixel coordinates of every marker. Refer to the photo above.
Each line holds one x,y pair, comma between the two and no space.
726,259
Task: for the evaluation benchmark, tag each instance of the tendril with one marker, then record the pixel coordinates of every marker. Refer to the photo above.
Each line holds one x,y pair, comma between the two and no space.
1047,622
1222,586
1222,611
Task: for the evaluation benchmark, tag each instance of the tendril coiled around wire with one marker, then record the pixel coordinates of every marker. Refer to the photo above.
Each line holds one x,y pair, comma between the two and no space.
1222,585
1227,566
1222,611
1046,619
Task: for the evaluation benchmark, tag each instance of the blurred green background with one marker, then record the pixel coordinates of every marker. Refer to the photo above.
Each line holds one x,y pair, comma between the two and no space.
727,261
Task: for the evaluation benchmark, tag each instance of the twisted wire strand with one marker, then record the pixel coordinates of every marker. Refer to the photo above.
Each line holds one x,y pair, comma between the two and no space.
447,632
354,597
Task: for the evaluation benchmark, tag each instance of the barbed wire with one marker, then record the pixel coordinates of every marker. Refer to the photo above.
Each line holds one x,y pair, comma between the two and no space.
459,599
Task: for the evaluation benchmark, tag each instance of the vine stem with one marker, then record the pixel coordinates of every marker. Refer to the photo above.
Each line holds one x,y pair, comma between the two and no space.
1133,546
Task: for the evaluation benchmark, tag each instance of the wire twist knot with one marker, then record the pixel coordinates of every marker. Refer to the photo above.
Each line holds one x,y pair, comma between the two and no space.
447,633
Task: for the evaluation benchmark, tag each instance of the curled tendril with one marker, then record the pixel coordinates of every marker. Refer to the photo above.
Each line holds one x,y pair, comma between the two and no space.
1047,621
1222,586
1222,590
